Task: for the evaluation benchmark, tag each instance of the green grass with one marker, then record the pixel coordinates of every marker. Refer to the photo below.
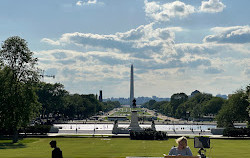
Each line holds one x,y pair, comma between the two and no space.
127,111
114,148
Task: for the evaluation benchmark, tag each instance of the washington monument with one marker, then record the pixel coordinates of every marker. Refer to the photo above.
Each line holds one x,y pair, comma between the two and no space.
131,86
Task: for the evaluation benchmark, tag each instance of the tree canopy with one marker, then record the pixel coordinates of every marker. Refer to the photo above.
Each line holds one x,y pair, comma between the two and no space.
234,109
194,106
18,77
56,100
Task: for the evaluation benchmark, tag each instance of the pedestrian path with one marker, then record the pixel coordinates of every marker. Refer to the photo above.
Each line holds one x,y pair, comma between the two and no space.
144,157
109,133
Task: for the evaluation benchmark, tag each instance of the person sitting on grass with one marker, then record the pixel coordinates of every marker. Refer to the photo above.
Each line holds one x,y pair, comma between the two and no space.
182,148
56,153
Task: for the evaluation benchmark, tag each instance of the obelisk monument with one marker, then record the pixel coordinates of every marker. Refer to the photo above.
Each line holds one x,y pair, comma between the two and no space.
131,86
134,125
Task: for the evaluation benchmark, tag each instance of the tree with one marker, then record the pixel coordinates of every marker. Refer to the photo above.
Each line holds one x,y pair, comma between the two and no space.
168,109
18,100
149,104
91,104
176,100
74,106
248,108
213,106
234,109
51,96
193,106
109,105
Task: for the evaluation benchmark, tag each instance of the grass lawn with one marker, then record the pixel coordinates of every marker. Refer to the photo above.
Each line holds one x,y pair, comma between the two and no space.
127,112
114,148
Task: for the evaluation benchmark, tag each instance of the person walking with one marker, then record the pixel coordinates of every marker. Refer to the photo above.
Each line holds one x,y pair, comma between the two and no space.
56,153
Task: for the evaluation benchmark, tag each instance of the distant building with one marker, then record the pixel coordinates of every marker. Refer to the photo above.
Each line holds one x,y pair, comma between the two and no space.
139,100
194,93
222,96
100,96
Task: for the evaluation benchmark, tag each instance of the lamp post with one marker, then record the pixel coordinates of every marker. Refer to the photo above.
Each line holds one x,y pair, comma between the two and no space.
187,115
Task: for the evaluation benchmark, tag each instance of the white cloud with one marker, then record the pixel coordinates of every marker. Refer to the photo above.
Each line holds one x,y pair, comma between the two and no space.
86,2
212,6
144,41
196,48
102,61
78,66
79,3
149,48
51,42
91,70
213,70
247,71
234,34
159,11
166,11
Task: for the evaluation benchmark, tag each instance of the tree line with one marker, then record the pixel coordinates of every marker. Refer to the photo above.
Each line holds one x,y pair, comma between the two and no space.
57,101
23,97
196,107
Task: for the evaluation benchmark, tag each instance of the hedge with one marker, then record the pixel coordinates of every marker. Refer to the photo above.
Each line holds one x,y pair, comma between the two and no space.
148,135
36,129
236,132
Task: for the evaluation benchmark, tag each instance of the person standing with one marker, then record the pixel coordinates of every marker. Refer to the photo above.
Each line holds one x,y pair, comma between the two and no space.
56,153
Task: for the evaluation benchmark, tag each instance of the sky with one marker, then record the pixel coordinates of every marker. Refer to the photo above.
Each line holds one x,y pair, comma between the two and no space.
175,46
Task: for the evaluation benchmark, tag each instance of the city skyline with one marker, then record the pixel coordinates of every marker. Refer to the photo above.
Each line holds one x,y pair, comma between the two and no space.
141,99
174,46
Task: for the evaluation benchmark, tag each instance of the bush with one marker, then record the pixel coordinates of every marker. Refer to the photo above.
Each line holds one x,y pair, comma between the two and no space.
37,129
148,135
5,131
236,132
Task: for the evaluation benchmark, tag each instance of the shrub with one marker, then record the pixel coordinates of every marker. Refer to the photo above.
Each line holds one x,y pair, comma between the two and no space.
37,129
236,132
148,135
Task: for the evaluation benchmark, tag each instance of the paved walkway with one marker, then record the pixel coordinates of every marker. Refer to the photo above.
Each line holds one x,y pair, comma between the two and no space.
144,157
109,133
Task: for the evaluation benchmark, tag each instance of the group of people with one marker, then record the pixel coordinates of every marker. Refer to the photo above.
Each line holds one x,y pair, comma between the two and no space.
181,149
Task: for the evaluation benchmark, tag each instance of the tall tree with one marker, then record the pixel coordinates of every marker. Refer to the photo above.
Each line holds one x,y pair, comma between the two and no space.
193,106
248,108
234,109
18,99
176,100
51,96
213,106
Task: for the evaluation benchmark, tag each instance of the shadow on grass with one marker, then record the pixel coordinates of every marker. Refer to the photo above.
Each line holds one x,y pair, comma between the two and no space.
11,145
7,144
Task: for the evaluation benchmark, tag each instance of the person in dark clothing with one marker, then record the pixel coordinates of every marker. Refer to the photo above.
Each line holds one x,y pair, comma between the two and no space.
56,153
